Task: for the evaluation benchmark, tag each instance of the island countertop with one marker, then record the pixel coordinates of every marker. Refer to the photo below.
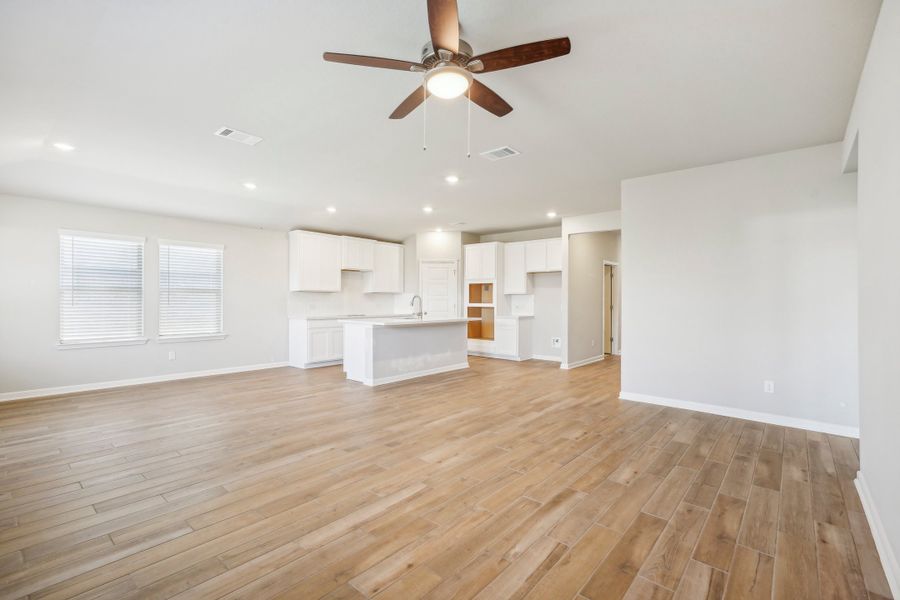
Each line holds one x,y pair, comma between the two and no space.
403,322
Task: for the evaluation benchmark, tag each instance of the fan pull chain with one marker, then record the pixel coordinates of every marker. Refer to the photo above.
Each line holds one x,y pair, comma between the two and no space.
424,116
469,123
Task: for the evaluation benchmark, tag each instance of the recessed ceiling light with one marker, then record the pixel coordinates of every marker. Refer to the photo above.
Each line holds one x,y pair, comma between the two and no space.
427,209
551,215
331,209
63,147
451,179
249,185
439,230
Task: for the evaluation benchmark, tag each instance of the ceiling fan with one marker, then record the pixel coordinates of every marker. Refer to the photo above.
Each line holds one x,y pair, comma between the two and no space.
448,62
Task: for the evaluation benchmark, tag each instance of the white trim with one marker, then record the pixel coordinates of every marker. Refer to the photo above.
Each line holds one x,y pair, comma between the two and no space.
102,235
889,562
749,415
414,374
171,339
100,344
104,385
316,365
581,363
549,357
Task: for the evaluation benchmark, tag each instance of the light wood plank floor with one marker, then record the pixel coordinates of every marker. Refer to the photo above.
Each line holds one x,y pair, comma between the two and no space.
509,480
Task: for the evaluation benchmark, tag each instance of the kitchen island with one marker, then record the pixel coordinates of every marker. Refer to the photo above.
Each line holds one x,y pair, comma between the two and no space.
380,351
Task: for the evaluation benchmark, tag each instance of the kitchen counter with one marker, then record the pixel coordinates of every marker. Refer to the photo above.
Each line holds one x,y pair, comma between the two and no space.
403,321
379,351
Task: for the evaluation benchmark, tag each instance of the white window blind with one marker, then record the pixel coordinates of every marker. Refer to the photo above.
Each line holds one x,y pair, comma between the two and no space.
190,289
101,288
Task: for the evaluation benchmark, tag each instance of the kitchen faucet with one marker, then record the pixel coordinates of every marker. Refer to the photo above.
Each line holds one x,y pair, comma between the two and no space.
412,303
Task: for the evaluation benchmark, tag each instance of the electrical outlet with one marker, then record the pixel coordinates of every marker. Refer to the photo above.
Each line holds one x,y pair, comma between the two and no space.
555,342
769,386
593,343
171,355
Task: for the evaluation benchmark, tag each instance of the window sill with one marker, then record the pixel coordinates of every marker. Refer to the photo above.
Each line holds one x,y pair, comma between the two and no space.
171,339
100,344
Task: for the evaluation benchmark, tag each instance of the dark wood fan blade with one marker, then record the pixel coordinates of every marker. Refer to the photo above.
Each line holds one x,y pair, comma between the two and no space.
443,21
488,99
372,61
412,101
525,54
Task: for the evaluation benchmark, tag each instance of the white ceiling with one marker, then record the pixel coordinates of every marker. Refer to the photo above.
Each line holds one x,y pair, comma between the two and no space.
650,86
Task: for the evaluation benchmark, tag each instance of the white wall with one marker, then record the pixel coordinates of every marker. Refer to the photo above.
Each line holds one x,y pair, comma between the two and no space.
255,293
587,251
743,272
876,118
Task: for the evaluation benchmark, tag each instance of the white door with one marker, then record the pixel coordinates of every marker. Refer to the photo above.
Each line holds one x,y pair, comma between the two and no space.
439,288
473,261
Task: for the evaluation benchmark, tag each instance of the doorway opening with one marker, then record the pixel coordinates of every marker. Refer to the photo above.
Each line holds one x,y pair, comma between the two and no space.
611,300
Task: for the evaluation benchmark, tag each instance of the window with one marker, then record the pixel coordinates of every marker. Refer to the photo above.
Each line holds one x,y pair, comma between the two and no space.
190,290
101,288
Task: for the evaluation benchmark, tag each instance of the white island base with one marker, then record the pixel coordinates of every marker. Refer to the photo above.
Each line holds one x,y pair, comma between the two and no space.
380,351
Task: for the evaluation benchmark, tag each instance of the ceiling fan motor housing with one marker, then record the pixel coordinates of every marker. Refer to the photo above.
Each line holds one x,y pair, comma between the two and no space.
430,57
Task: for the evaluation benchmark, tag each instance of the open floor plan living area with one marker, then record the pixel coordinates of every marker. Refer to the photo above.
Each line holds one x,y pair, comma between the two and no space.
447,299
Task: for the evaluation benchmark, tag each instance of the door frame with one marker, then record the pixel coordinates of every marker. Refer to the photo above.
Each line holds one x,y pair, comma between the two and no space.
443,261
615,298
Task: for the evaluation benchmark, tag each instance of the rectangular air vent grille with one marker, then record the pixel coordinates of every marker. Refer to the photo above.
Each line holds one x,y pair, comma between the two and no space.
500,153
238,136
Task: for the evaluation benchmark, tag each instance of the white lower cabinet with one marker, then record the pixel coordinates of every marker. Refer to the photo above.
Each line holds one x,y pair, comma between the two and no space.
512,339
315,343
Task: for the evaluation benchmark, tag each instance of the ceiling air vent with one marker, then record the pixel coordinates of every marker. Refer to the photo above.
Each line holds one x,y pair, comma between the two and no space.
500,153
238,136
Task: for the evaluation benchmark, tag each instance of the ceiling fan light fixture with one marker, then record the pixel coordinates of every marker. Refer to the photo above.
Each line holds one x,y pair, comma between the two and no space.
448,81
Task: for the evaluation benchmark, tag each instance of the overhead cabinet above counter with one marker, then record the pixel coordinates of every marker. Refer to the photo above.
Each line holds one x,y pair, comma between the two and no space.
524,258
317,259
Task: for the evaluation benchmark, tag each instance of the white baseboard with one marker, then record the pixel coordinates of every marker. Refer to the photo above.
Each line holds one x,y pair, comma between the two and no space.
327,363
546,357
500,356
581,363
882,544
105,385
749,415
414,374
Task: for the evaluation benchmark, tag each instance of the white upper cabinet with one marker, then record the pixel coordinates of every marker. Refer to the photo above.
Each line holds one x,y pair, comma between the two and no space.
536,256
357,254
554,254
315,262
473,262
481,261
542,256
386,275
515,276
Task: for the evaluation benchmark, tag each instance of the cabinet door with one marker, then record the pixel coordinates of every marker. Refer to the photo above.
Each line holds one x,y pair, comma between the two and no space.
489,261
473,262
366,255
318,345
336,343
387,272
554,255
536,256
505,337
515,278
349,253
329,263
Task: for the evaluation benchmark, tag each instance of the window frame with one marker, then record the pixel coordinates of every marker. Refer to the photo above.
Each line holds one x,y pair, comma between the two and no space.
192,337
100,342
